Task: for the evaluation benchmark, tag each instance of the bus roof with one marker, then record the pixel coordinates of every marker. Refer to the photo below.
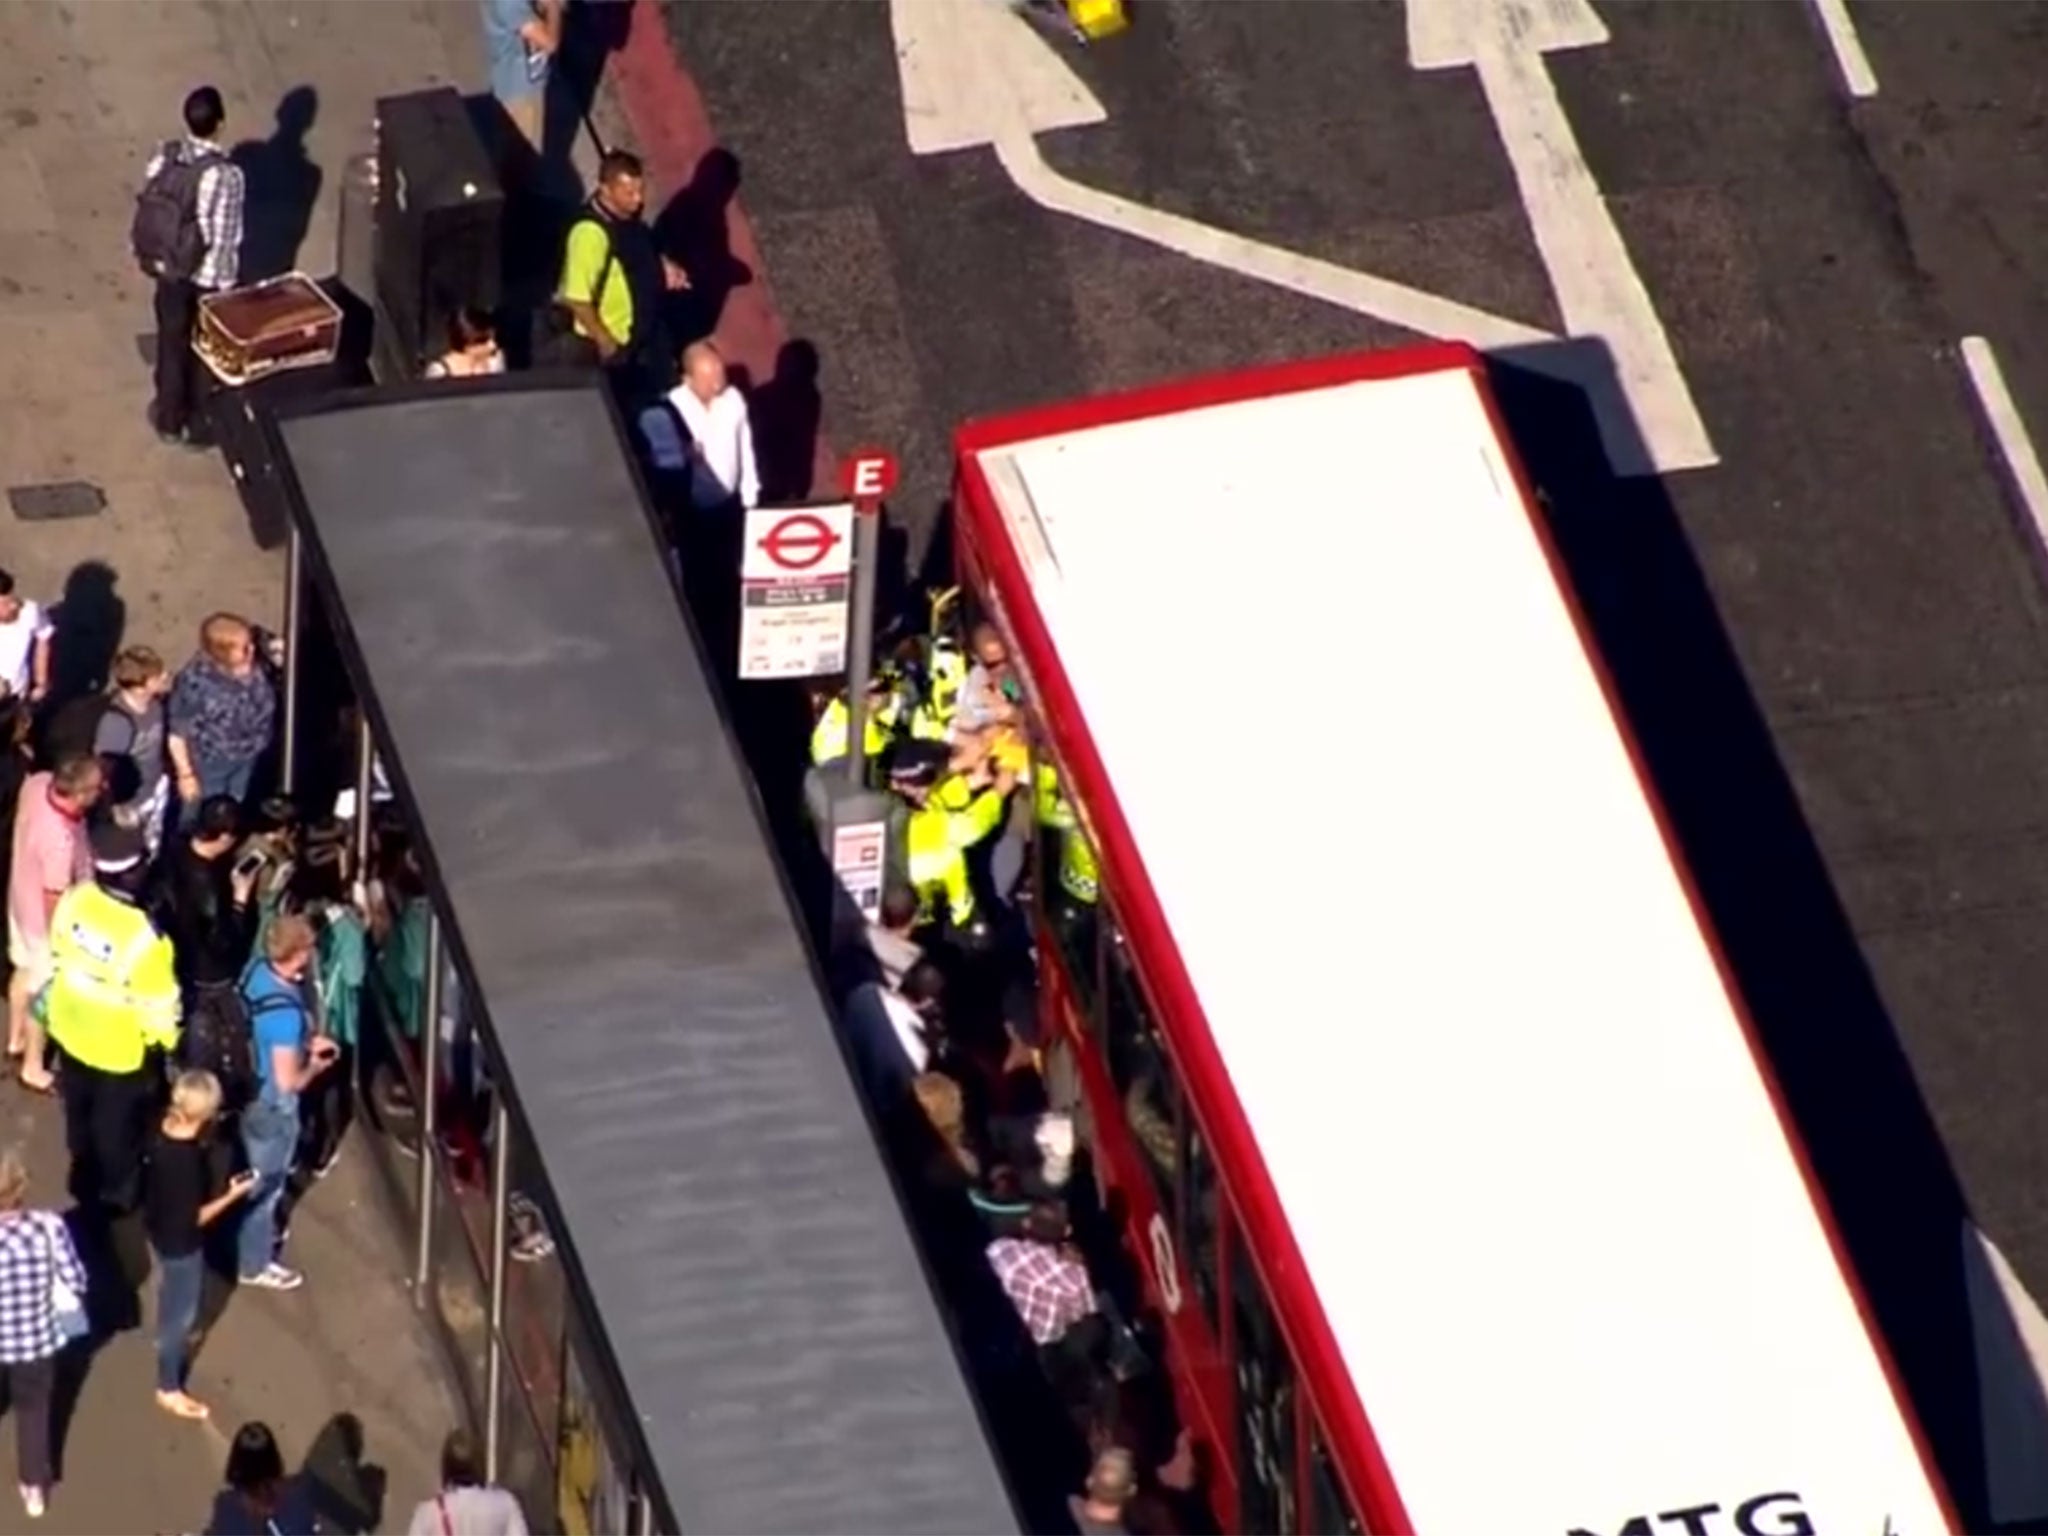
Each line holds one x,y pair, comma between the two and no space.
613,903
1433,968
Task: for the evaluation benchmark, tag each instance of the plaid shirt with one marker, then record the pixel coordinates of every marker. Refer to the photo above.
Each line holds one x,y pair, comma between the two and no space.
31,1243
1050,1290
222,192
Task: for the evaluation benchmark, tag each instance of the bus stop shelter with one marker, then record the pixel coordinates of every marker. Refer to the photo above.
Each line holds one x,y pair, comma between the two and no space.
735,1332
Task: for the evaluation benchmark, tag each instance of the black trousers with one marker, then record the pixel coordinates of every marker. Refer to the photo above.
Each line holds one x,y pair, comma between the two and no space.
29,1385
106,1122
177,370
326,1111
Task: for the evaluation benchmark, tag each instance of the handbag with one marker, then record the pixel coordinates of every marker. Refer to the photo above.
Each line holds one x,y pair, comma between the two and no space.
67,1307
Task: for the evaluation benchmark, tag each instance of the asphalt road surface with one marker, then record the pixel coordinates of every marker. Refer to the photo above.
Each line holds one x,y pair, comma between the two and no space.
1832,642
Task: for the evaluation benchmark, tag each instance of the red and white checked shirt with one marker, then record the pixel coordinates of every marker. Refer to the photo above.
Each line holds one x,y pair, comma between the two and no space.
1050,1290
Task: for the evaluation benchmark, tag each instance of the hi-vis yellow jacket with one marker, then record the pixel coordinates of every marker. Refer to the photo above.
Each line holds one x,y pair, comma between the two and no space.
113,991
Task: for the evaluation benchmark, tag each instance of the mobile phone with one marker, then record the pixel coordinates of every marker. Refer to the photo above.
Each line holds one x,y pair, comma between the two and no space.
247,865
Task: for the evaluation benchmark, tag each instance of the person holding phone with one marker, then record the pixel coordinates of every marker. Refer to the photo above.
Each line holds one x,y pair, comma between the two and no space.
290,1056
180,1201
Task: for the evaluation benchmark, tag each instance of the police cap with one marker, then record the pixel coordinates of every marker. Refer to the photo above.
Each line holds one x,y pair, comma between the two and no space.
117,849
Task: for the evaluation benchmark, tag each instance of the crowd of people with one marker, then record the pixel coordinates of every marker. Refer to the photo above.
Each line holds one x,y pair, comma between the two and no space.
189,952
938,1007
187,957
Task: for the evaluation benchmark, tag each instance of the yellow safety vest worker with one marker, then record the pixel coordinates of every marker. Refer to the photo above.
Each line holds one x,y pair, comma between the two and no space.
828,736
935,844
113,990
946,675
1079,876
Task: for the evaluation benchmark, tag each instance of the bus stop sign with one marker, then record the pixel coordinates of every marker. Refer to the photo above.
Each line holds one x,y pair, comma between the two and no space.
866,476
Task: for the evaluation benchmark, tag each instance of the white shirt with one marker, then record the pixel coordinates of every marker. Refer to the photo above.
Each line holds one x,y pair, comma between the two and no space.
18,643
909,1029
722,456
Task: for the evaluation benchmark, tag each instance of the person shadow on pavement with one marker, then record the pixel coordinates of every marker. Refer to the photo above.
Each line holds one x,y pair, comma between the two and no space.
90,620
692,232
347,1491
283,188
785,413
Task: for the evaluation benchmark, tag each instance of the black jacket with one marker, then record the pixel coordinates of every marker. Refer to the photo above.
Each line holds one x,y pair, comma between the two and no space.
194,905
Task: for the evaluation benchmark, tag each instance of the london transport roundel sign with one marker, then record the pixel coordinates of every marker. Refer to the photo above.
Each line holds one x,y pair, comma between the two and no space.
1162,1263
799,542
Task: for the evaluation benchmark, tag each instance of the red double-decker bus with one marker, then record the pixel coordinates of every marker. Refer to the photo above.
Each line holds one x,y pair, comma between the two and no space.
1448,1153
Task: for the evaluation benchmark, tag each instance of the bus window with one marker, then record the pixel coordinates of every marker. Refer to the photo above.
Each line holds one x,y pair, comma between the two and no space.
1330,1514
1064,873
1198,1222
1265,1408
1143,1075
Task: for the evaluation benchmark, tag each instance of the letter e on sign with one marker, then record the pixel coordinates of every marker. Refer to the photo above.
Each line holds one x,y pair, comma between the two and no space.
866,476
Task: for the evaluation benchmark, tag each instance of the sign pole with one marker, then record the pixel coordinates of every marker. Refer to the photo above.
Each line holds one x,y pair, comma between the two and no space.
860,641
852,817
866,476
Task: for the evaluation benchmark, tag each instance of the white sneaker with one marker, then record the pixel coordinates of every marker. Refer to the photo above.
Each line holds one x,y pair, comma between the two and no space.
274,1277
32,1501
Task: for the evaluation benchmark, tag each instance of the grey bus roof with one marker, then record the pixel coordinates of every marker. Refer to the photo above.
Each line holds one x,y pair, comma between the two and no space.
599,850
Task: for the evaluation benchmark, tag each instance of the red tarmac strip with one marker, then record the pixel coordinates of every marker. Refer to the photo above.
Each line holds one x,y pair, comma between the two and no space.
672,132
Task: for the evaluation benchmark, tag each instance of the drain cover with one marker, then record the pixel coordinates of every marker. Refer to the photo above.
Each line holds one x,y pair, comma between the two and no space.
55,500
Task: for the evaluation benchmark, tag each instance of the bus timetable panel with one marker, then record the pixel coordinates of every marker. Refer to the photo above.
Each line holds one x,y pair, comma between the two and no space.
633,954
1521,1165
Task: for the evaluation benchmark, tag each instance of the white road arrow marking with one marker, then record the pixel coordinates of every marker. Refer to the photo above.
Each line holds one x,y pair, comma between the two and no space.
954,56
1598,291
1858,78
974,74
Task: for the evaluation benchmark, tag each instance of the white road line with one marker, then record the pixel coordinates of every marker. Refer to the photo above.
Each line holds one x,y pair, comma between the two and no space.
1410,308
2022,463
1850,58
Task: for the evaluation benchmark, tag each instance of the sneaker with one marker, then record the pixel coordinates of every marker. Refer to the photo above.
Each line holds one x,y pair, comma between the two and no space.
274,1277
32,1501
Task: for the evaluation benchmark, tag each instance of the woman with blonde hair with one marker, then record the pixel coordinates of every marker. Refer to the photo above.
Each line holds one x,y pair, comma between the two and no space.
179,1203
42,1308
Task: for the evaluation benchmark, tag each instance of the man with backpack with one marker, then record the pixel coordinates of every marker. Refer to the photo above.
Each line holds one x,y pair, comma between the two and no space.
187,235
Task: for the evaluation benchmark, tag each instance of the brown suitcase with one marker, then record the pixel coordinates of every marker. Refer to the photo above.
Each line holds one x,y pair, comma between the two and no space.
282,322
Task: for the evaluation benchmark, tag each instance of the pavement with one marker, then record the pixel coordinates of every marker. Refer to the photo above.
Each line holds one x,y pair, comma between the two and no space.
87,89
1834,642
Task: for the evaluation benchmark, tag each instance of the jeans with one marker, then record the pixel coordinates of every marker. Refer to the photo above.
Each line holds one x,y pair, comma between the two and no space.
29,1386
270,1137
180,1283
216,778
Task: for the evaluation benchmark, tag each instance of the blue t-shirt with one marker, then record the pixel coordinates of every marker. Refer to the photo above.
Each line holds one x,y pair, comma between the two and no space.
512,78
277,1017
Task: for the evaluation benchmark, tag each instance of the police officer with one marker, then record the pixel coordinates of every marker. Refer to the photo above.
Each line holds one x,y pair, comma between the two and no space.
835,721
113,999
937,832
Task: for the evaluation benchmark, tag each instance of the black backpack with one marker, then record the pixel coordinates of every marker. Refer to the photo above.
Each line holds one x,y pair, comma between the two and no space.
165,235
217,1038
